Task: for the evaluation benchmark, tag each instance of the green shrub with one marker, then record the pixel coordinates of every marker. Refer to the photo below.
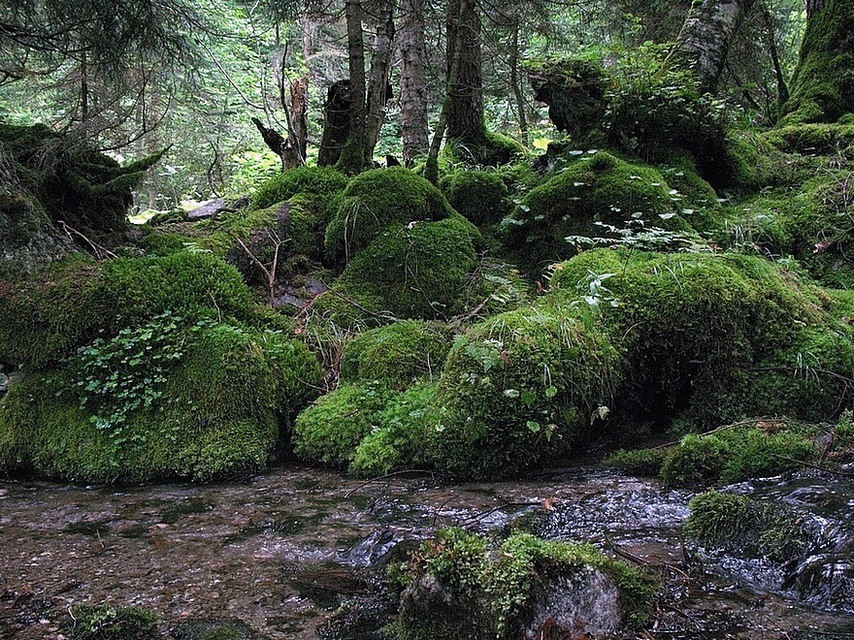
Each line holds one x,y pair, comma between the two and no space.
414,271
745,527
397,439
480,196
324,182
376,199
518,390
459,587
330,430
397,354
107,622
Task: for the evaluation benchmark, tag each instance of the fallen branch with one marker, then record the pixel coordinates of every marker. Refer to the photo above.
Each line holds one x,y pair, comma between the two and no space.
101,253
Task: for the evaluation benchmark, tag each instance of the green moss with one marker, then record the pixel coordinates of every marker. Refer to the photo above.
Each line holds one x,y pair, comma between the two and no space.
479,592
186,283
108,622
816,139
163,244
638,462
209,412
518,390
735,454
480,196
745,527
495,287
46,316
397,354
324,182
823,84
599,190
21,218
414,271
692,325
376,199
842,446
329,431
397,440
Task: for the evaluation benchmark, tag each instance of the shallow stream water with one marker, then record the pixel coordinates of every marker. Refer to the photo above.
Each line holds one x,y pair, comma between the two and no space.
280,551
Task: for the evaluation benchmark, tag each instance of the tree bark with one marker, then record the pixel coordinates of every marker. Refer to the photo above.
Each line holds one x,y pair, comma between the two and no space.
413,81
353,156
378,93
822,88
706,35
514,77
465,113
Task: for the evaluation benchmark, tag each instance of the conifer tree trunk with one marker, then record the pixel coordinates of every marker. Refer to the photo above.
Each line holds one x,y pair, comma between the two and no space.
413,81
465,113
353,156
706,34
378,88
822,88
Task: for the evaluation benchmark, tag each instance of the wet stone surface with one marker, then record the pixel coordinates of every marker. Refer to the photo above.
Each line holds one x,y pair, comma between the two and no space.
276,554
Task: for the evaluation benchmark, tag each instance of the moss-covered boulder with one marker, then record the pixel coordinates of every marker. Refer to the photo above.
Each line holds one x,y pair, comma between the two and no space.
108,622
481,197
377,199
520,389
746,527
165,399
318,183
459,587
699,330
329,431
397,354
593,197
397,439
417,270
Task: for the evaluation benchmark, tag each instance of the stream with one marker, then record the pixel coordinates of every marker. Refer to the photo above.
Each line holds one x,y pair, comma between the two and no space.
279,552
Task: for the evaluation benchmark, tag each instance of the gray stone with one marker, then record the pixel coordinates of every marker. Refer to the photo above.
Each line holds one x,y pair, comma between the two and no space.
207,209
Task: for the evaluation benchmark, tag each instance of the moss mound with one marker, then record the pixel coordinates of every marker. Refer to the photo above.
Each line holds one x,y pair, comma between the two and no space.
106,622
397,439
745,527
201,401
480,196
699,329
417,270
397,354
458,587
329,431
321,182
592,197
518,390
376,199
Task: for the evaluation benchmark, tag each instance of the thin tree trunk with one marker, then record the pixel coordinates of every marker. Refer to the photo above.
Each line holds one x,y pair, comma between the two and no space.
378,87
465,115
706,35
782,87
514,78
413,81
353,156
431,170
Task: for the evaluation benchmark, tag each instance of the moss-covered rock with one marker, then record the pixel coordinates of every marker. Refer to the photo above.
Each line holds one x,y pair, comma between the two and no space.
813,139
745,527
519,390
108,622
693,326
397,439
638,462
458,587
201,401
592,197
481,197
418,270
397,354
330,430
318,182
377,199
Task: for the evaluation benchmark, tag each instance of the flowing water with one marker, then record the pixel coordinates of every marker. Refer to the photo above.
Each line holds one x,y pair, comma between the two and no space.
280,552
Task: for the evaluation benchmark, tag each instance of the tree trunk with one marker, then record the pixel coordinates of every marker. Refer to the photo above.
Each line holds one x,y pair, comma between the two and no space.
336,123
706,35
353,155
822,88
378,93
413,81
514,77
465,114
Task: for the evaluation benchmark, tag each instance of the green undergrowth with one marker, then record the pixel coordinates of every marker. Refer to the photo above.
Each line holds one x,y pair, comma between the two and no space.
321,183
742,526
108,622
461,585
